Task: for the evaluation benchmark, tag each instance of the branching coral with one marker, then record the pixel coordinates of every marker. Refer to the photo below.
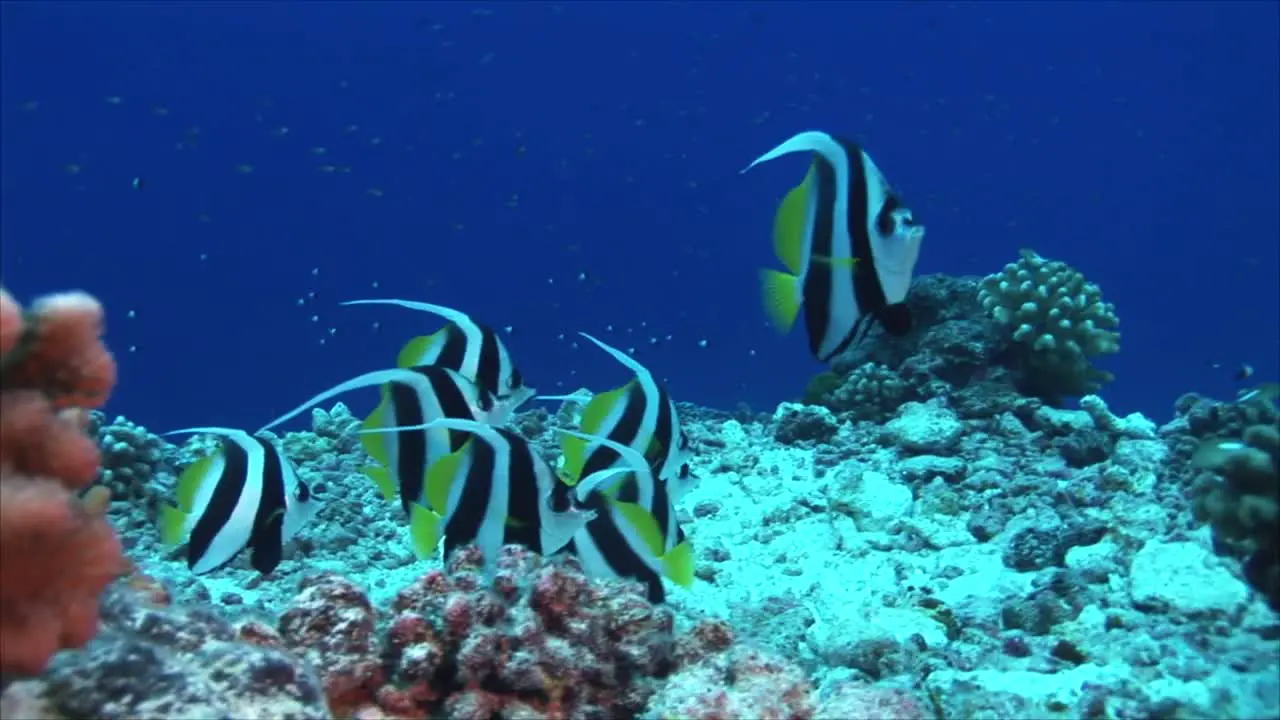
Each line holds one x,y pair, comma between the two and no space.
1058,319
57,552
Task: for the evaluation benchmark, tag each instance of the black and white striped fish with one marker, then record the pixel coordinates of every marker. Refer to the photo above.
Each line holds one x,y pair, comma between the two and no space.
634,533
244,495
640,415
493,491
466,346
848,243
410,397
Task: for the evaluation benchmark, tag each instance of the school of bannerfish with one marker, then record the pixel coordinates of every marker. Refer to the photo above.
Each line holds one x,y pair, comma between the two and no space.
439,441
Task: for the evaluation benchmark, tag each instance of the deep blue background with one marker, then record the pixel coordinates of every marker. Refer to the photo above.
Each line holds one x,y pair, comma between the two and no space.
523,144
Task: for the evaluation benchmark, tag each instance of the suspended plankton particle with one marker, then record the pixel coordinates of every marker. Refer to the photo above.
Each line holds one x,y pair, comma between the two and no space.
114,99
376,192
245,169
319,150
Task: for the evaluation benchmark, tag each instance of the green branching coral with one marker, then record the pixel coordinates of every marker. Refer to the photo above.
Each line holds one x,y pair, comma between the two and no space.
1243,506
1058,319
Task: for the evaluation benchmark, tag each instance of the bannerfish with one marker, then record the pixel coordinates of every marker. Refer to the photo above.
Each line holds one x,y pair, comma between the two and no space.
466,346
410,397
493,491
634,533
848,243
244,495
640,415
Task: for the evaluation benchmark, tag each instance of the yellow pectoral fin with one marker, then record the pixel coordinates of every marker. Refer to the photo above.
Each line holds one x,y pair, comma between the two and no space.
424,531
847,263
173,524
418,350
678,564
781,294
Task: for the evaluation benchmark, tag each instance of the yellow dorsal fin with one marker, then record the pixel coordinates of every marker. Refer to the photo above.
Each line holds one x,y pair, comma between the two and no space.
193,477
417,350
381,478
788,226
599,407
173,524
376,443
574,449
440,476
643,523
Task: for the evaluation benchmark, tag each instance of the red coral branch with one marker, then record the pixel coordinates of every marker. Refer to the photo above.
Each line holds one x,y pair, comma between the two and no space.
57,551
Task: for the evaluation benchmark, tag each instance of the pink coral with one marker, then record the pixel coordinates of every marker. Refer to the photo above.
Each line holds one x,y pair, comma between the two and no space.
57,552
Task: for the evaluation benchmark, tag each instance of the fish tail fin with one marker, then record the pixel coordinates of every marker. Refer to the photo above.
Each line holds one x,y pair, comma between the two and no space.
678,564
781,294
424,531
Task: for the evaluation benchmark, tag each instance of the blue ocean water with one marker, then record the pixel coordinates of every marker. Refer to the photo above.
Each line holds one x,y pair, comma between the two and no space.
221,175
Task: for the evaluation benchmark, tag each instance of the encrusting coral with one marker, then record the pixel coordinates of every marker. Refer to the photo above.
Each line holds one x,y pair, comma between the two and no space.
1244,505
57,551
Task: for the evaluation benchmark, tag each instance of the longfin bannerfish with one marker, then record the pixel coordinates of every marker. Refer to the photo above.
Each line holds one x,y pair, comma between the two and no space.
640,415
468,347
409,397
634,537
493,491
848,243
244,495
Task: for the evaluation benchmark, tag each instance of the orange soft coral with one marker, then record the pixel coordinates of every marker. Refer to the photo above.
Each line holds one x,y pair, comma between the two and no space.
57,551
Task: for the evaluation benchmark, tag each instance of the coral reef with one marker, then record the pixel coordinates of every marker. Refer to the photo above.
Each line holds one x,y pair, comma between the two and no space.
57,552
1059,323
918,539
1243,504
154,660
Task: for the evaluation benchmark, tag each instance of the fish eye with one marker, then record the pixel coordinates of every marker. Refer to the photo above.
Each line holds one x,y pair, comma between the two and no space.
685,471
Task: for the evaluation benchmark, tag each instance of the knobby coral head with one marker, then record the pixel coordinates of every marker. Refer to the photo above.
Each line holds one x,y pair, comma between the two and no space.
57,551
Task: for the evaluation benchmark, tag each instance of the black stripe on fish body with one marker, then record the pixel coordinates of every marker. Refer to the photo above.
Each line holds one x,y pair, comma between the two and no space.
661,450
618,554
451,401
864,220
465,521
664,512
453,350
267,540
408,447
228,487
488,374
818,285
524,504
623,431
